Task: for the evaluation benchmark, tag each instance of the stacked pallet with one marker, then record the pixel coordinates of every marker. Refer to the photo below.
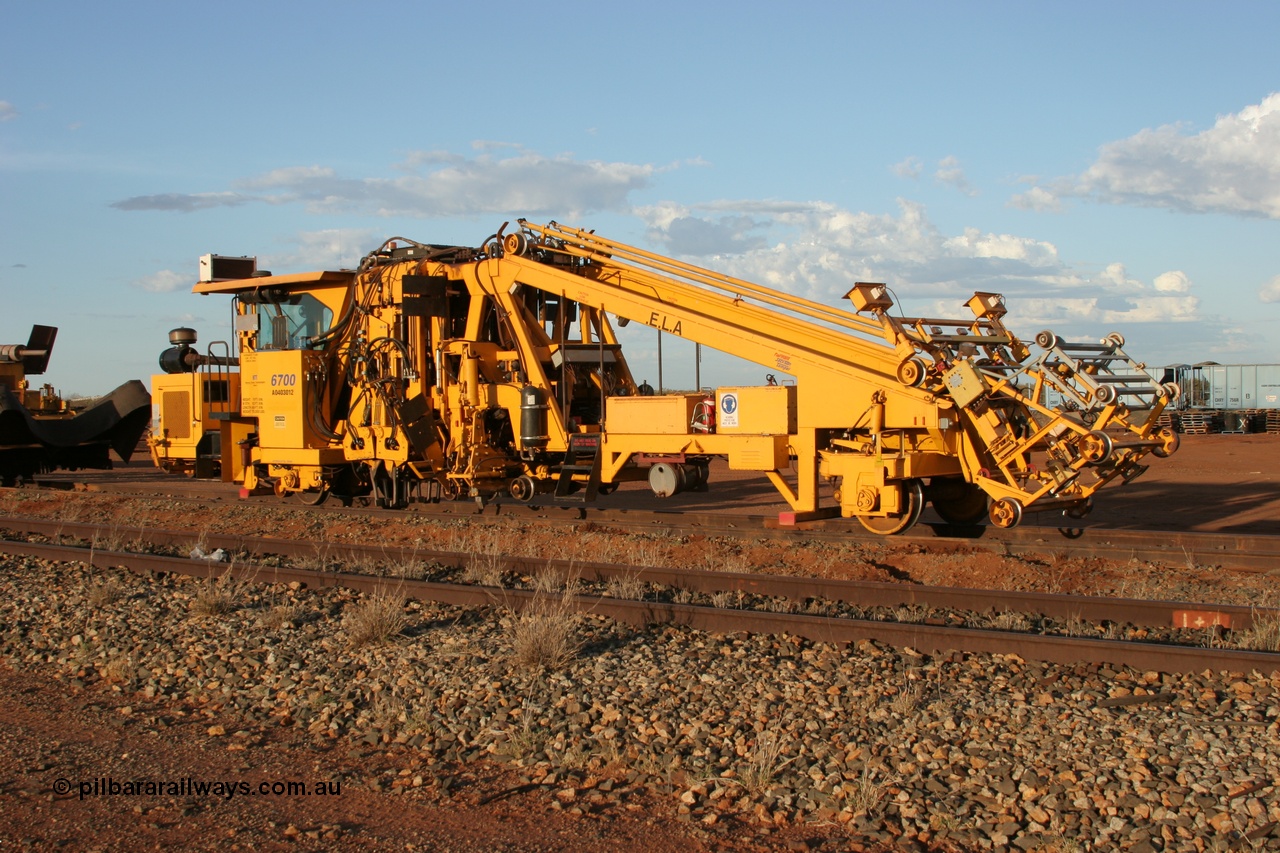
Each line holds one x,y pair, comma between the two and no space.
1170,420
1273,421
1201,422
1235,422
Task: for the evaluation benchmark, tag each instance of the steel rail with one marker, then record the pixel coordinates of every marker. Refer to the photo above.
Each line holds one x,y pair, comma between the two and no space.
1243,552
922,637
1164,614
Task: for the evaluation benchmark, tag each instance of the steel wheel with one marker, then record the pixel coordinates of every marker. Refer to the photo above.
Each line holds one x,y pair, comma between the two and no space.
522,488
1080,510
313,497
1096,447
911,499
968,507
1006,512
1169,442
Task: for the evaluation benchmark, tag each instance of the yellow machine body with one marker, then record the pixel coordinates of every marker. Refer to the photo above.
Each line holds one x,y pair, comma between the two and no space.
187,410
444,371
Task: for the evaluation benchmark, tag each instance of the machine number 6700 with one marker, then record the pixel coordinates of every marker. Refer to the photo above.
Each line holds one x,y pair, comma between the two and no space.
284,380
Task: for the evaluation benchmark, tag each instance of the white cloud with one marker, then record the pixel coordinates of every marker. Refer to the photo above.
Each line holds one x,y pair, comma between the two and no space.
950,174
329,249
1233,167
1091,311
819,250
415,159
7,111
974,243
911,168
1038,199
165,281
182,202
438,185
289,176
1115,276
1174,281
495,145
1270,292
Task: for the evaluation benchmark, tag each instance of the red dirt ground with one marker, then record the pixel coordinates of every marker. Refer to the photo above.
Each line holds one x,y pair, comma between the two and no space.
1214,483
1221,483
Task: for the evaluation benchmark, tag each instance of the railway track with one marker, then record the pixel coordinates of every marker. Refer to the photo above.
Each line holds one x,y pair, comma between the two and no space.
1238,552
934,633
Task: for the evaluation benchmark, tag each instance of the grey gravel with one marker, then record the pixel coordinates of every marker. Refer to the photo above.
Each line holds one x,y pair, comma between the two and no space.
981,752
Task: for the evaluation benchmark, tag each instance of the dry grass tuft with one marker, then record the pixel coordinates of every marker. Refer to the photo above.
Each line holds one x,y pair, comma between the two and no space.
484,566
629,586
116,540
545,633
119,670
866,792
764,763
408,568
524,741
907,700
281,615
548,581
911,613
1263,635
376,619
216,596
104,592
1011,621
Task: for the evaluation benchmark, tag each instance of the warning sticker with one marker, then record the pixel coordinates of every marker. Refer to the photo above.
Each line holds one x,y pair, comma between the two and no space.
729,409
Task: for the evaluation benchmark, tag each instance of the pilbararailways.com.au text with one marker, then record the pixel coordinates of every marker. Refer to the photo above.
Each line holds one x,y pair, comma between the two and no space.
106,786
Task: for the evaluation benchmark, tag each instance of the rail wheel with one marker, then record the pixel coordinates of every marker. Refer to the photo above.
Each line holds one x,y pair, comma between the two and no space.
911,499
1096,447
348,483
521,488
1080,510
1047,340
1169,442
912,372
314,497
1006,512
966,505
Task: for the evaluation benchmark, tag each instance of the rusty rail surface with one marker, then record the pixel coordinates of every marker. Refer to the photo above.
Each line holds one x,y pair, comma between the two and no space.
1133,611
1245,552
923,638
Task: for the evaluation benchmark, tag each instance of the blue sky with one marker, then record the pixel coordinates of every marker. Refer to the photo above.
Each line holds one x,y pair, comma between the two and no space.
1106,166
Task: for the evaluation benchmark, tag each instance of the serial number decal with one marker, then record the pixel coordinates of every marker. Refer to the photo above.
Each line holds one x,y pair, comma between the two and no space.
282,384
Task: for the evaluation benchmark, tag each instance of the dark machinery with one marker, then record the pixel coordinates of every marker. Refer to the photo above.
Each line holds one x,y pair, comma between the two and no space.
41,432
